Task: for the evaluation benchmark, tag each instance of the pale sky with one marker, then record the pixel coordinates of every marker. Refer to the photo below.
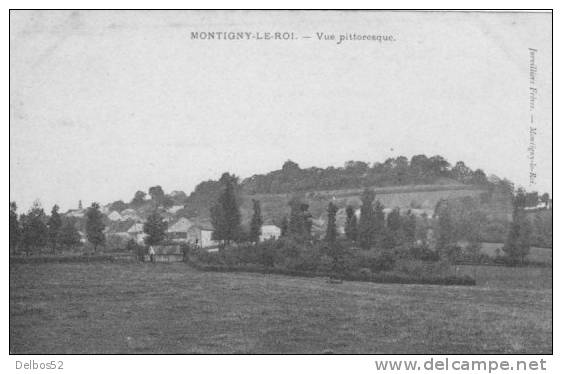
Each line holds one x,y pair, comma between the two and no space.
104,103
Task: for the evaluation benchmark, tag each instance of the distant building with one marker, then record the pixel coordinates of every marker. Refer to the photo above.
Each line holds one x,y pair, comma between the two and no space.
130,214
540,205
78,213
270,232
178,231
115,216
137,233
200,235
174,209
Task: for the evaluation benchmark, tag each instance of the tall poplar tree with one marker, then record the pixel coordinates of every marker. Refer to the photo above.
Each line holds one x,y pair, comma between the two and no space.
95,226
54,225
256,223
445,228
15,229
517,244
225,215
331,230
34,230
69,236
351,224
366,220
300,220
155,229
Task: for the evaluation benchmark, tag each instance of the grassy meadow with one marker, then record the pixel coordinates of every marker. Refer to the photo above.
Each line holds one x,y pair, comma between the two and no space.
172,308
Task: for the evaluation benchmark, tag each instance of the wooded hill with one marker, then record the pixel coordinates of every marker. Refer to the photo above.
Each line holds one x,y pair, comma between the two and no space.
416,184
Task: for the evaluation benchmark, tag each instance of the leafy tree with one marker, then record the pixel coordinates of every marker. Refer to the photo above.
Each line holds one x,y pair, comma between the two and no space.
380,232
506,187
520,199
517,245
531,199
461,172
139,198
479,177
34,229
422,229
68,236
357,167
394,223
54,225
167,201
366,220
290,167
156,194
468,220
225,215
155,229
95,226
300,220
138,250
118,206
351,229
178,197
545,198
542,228
256,223
394,228
438,166
296,221
445,228
409,227
284,226
419,167
15,229
331,230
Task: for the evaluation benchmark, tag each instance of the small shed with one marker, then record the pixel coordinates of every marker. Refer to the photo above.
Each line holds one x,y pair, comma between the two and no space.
174,209
269,232
178,231
115,216
201,235
166,253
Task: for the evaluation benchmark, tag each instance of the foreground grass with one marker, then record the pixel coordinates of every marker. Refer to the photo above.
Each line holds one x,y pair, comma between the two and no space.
171,308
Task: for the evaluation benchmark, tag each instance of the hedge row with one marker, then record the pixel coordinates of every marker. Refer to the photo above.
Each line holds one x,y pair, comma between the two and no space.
59,259
382,277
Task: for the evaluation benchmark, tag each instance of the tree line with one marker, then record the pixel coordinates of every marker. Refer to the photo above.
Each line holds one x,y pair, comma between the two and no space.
395,171
372,228
369,227
35,231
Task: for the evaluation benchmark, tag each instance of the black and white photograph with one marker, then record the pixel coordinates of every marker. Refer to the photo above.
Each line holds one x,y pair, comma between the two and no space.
285,182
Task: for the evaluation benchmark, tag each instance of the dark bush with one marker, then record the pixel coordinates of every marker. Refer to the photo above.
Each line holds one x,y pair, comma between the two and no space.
418,252
382,262
286,256
138,250
452,252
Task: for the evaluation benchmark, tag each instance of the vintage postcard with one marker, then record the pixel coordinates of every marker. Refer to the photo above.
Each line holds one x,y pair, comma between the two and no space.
281,182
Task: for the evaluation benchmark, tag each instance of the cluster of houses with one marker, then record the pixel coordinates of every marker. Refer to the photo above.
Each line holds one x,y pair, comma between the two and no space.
182,231
195,233
129,224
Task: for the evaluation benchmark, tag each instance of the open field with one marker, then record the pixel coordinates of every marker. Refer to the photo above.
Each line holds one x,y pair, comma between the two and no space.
171,308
